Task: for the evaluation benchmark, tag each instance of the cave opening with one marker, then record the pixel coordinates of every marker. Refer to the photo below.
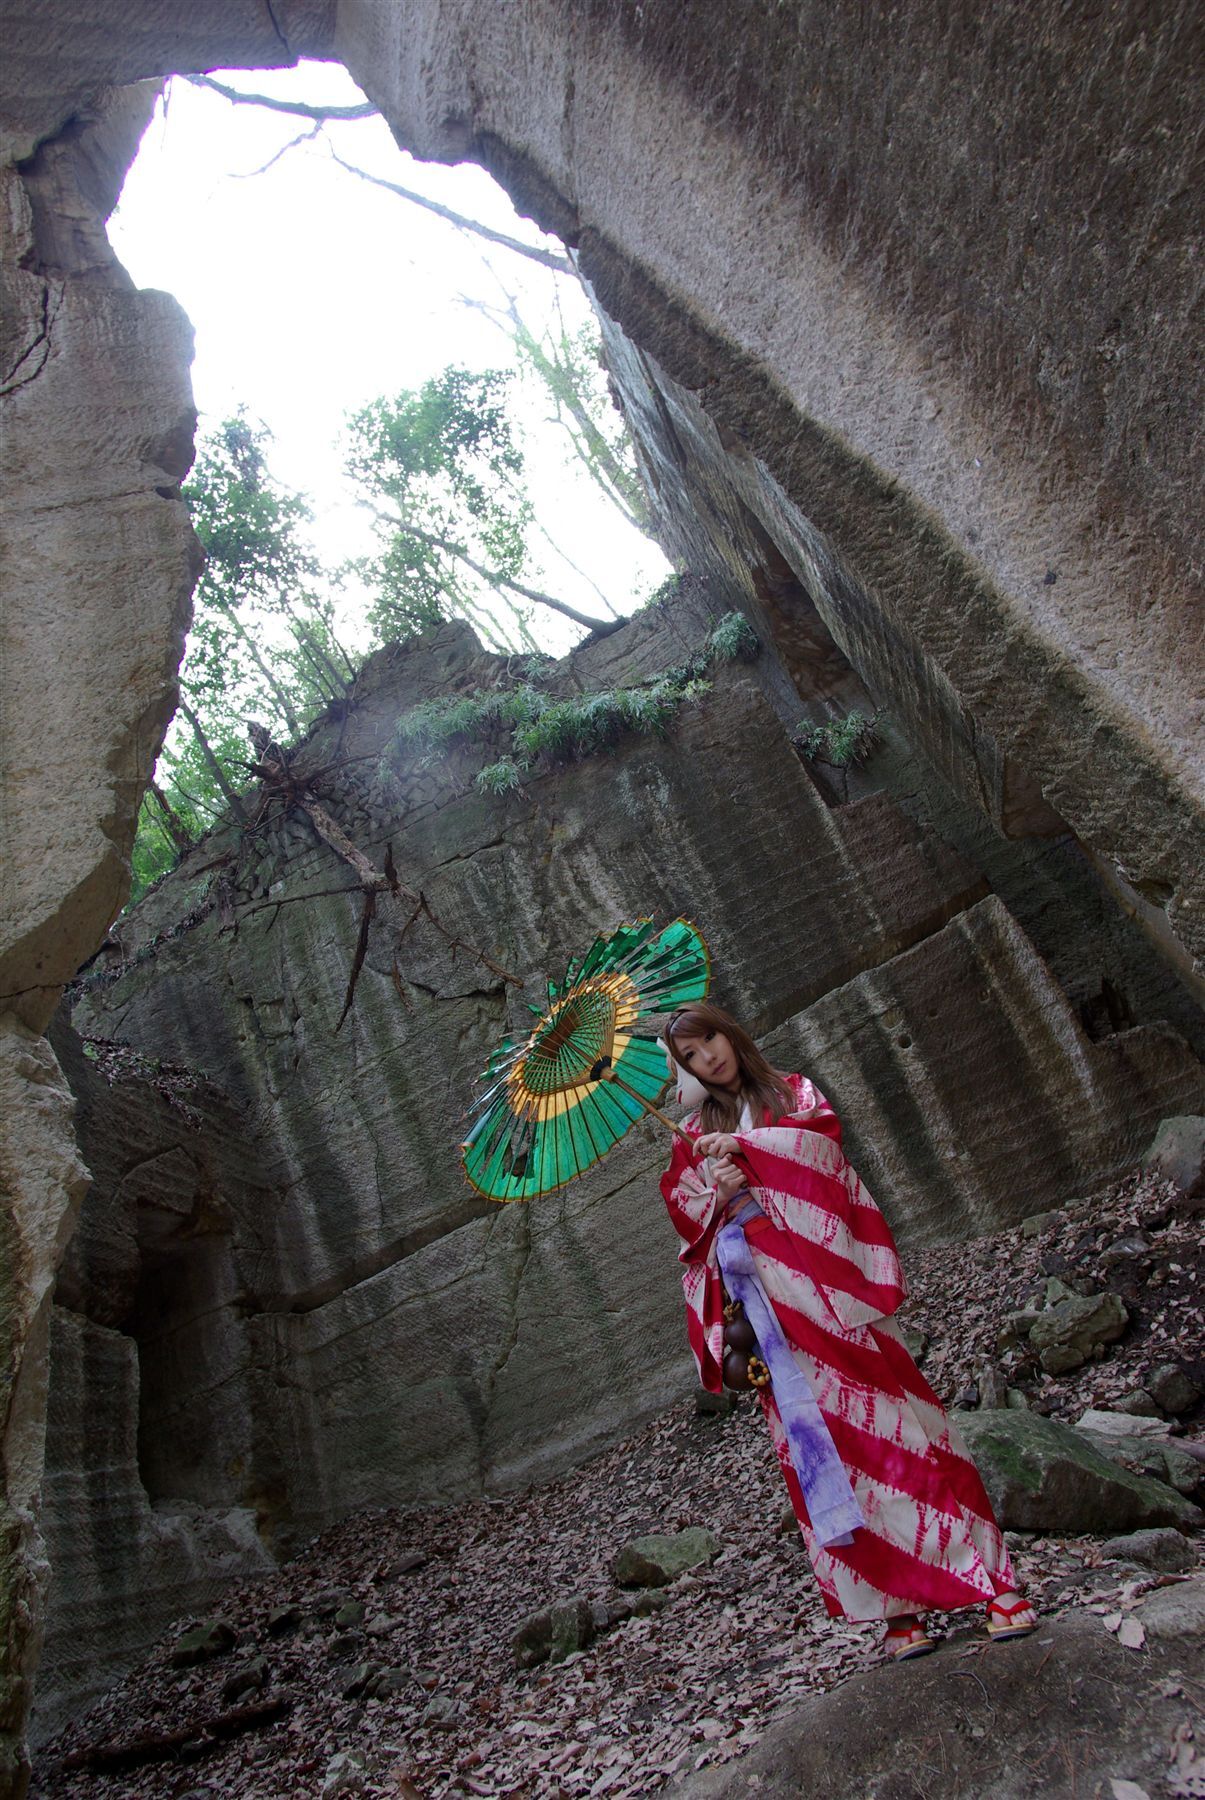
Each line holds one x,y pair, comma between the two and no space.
404,415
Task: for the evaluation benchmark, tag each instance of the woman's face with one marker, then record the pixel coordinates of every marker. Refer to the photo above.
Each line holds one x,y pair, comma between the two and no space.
709,1056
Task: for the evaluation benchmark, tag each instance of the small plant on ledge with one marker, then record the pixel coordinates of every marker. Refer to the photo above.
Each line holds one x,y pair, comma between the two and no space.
841,743
524,723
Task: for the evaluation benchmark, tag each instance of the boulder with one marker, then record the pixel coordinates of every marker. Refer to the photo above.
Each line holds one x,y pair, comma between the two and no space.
1176,1612
1173,1388
1120,1424
1044,1476
346,1773
212,1637
1177,1154
1039,1222
1180,1470
1069,1331
247,1678
1125,1249
1162,1461
1164,1549
714,1406
1069,1697
554,1633
993,1389
361,1680
381,1624
441,1713
656,1560
916,1342
327,1604
1138,1403
1016,1329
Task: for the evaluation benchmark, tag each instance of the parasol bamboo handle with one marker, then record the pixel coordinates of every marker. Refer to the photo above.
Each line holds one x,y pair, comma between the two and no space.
608,1074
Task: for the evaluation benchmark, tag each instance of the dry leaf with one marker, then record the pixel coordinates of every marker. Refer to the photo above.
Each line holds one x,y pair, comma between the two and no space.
1131,1634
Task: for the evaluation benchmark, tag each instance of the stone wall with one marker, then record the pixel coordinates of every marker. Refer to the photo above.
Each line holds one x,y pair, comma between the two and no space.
373,1332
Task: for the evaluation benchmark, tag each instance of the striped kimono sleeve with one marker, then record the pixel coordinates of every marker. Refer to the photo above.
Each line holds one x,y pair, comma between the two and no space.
804,1185
694,1213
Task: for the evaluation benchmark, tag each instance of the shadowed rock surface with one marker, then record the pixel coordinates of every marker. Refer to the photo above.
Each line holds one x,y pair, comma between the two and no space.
1066,1711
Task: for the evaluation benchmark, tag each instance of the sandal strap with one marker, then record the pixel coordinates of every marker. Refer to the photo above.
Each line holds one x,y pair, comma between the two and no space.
1021,1604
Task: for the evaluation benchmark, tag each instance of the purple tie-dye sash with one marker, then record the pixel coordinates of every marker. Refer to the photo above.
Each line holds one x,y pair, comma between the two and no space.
832,1509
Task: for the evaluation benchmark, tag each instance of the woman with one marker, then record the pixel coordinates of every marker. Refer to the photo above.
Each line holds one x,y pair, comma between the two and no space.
892,1510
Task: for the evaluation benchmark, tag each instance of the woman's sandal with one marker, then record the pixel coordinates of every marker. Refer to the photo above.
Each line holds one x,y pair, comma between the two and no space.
1001,1617
906,1638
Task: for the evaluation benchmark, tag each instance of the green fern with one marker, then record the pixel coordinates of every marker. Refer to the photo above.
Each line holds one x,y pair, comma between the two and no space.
564,730
731,639
841,743
501,777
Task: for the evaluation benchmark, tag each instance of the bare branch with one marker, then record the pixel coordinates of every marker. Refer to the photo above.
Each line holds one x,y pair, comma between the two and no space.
303,137
369,908
497,579
300,109
548,259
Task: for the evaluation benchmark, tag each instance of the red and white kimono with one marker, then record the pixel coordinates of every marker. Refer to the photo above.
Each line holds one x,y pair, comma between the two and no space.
827,1263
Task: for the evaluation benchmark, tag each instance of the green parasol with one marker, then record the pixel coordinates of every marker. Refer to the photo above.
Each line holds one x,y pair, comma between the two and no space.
565,1095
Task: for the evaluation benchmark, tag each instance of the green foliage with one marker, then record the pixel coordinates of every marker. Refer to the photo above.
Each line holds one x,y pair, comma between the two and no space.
537,667
568,729
262,642
536,724
663,594
501,777
440,468
841,743
262,637
733,639
570,367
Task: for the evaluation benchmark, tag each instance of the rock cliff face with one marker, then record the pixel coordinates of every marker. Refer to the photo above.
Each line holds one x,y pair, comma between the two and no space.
905,300
323,1315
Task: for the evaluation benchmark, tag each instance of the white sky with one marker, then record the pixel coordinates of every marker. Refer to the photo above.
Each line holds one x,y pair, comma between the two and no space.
312,292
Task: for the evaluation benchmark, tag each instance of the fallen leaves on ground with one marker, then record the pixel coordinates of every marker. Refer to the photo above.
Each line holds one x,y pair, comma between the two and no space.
693,1684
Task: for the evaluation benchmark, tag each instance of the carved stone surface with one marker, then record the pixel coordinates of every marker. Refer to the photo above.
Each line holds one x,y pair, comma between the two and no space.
98,555
120,1569
969,1090
823,281
42,1181
416,1341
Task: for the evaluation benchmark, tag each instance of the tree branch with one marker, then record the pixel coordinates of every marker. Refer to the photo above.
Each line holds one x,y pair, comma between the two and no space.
496,579
303,137
548,259
298,108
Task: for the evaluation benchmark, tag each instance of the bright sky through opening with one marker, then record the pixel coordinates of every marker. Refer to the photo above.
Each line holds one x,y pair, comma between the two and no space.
313,292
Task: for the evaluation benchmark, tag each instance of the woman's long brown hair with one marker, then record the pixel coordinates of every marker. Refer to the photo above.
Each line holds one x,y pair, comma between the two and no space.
761,1085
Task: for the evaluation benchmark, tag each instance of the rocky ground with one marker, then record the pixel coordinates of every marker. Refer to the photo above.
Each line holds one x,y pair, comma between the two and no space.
382,1660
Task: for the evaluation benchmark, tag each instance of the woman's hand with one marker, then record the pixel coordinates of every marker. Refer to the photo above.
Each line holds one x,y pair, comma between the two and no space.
717,1143
729,1180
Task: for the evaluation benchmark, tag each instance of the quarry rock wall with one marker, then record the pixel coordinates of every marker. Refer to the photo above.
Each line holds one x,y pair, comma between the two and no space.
331,1318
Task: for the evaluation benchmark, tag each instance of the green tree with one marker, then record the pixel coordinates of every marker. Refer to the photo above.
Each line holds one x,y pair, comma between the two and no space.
569,366
441,470
263,631
262,642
